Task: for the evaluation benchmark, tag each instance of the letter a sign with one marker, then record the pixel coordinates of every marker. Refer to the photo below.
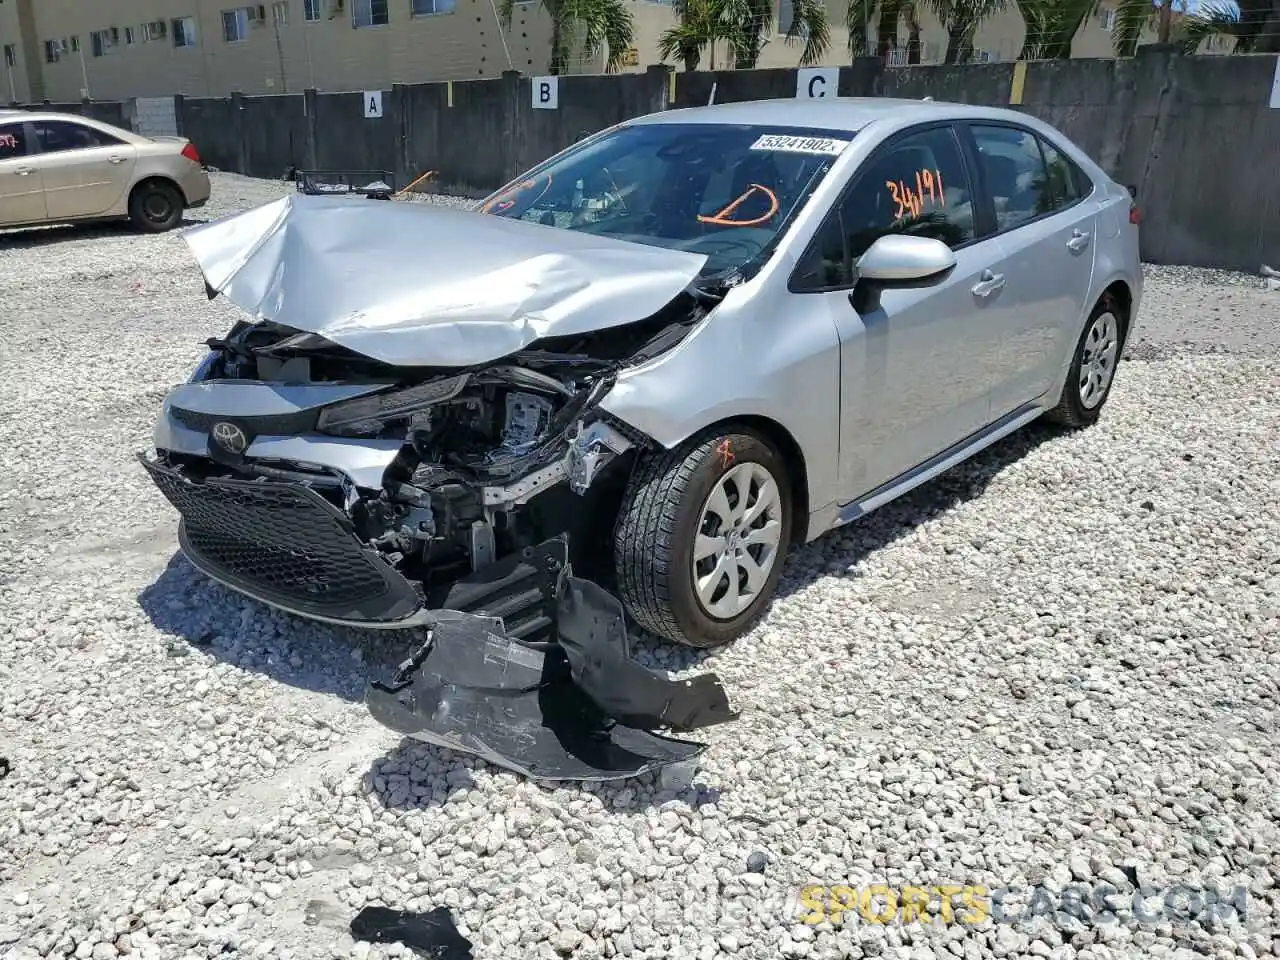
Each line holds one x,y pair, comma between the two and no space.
546,93
372,104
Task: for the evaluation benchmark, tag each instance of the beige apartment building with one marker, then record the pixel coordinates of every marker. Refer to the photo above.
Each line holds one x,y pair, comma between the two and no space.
63,50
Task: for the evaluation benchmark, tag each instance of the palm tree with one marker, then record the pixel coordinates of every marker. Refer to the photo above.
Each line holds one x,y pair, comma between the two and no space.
592,24
884,13
962,18
1253,25
1051,26
743,25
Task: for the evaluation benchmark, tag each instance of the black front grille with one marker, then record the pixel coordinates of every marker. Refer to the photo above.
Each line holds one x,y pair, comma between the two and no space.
285,544
273,425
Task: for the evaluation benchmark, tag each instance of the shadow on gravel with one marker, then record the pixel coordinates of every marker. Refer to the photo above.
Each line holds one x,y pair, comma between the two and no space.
26,238
202,616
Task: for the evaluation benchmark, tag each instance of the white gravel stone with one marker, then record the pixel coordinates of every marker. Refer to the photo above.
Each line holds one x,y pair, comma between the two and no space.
1058,664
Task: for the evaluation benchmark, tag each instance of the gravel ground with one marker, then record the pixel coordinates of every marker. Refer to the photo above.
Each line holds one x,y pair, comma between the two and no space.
1056,665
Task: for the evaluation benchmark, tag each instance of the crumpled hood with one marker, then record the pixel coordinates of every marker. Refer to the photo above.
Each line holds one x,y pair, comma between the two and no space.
416,284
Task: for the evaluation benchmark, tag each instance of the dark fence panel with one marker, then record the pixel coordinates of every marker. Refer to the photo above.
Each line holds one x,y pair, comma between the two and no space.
347,140
469,145
275,134
213,126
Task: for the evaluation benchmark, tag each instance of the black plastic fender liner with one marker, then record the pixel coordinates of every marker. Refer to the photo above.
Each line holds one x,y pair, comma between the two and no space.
571,707
592,630
482,692
431,934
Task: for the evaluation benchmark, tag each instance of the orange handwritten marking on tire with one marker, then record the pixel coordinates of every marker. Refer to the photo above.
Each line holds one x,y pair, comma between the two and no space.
721,219
725,452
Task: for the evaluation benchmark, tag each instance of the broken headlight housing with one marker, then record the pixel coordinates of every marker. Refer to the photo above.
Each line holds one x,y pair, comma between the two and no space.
366,415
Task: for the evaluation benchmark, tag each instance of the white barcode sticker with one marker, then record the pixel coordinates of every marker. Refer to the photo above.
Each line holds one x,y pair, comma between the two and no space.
825,146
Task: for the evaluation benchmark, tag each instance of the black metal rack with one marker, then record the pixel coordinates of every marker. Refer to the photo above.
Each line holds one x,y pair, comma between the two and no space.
374,184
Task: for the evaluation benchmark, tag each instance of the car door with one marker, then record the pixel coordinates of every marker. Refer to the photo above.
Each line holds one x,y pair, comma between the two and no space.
914,369
86,171
21,189
1046,230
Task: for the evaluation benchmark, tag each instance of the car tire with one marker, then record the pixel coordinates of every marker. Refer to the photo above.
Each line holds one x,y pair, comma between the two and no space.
155,207
668,502
1093,367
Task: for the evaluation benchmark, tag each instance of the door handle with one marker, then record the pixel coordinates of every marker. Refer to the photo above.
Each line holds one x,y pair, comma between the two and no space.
988,284
1079,240
115,159
24,171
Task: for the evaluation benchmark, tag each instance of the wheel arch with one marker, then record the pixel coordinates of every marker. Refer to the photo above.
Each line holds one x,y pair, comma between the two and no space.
787,446
159,178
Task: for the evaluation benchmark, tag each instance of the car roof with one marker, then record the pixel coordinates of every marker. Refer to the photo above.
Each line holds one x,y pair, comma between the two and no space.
33,115
828,113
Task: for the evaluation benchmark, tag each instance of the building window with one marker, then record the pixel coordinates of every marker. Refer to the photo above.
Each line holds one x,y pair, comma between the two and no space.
10,55
75,44
311,10
52,51
235,25
155,30
280,13
428,8
101,42
1106,18
184,31
369,13
128,36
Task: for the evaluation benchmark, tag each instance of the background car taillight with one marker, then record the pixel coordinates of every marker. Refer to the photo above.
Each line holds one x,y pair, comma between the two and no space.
191,153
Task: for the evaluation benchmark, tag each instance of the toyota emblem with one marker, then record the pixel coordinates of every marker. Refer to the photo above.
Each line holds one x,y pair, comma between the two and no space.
230,438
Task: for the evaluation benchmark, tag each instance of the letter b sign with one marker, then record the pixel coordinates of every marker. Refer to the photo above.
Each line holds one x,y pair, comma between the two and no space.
546,93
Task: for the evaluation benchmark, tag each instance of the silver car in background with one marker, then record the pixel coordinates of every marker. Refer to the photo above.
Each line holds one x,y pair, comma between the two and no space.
689,343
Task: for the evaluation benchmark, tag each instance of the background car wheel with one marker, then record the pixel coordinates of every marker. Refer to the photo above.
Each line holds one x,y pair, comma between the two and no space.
1093,368
702,535
155,207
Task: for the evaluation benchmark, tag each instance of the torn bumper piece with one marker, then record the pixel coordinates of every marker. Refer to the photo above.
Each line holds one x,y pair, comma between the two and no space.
573,707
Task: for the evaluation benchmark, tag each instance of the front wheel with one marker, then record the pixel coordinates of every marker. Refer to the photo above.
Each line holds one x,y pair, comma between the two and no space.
702,535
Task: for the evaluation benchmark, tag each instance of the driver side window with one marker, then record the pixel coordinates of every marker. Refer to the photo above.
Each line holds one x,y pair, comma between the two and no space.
916,185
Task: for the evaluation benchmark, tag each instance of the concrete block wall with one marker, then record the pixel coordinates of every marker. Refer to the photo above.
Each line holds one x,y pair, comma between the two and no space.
155,117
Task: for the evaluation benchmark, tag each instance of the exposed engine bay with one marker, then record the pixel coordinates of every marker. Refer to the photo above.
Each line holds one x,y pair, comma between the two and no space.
478,445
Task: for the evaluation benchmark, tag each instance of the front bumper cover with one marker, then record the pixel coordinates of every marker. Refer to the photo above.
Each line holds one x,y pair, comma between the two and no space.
574,707
525,665
287,546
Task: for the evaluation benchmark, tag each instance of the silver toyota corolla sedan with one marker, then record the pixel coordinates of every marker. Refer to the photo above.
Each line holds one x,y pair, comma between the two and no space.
673,352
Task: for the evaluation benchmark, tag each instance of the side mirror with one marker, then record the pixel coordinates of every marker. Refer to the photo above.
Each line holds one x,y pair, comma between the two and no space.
904,259
898,260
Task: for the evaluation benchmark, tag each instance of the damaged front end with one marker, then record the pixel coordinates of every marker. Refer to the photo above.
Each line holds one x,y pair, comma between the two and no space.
380,453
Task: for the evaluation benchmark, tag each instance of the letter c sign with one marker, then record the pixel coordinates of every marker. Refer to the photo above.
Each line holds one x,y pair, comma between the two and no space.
814,83
546,93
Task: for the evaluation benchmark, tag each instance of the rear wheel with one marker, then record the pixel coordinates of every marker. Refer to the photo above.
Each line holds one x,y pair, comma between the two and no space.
702,535
155,206
1093,368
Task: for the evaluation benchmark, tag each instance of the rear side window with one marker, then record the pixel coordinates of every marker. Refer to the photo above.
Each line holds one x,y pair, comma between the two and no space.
13,141
1027,176
916,185
57,136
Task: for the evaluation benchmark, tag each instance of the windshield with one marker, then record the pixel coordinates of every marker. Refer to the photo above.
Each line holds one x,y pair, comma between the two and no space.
726,191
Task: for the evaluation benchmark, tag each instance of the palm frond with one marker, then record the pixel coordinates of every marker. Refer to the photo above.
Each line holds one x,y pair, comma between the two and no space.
1215,19
1132,18
809,22
857,15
